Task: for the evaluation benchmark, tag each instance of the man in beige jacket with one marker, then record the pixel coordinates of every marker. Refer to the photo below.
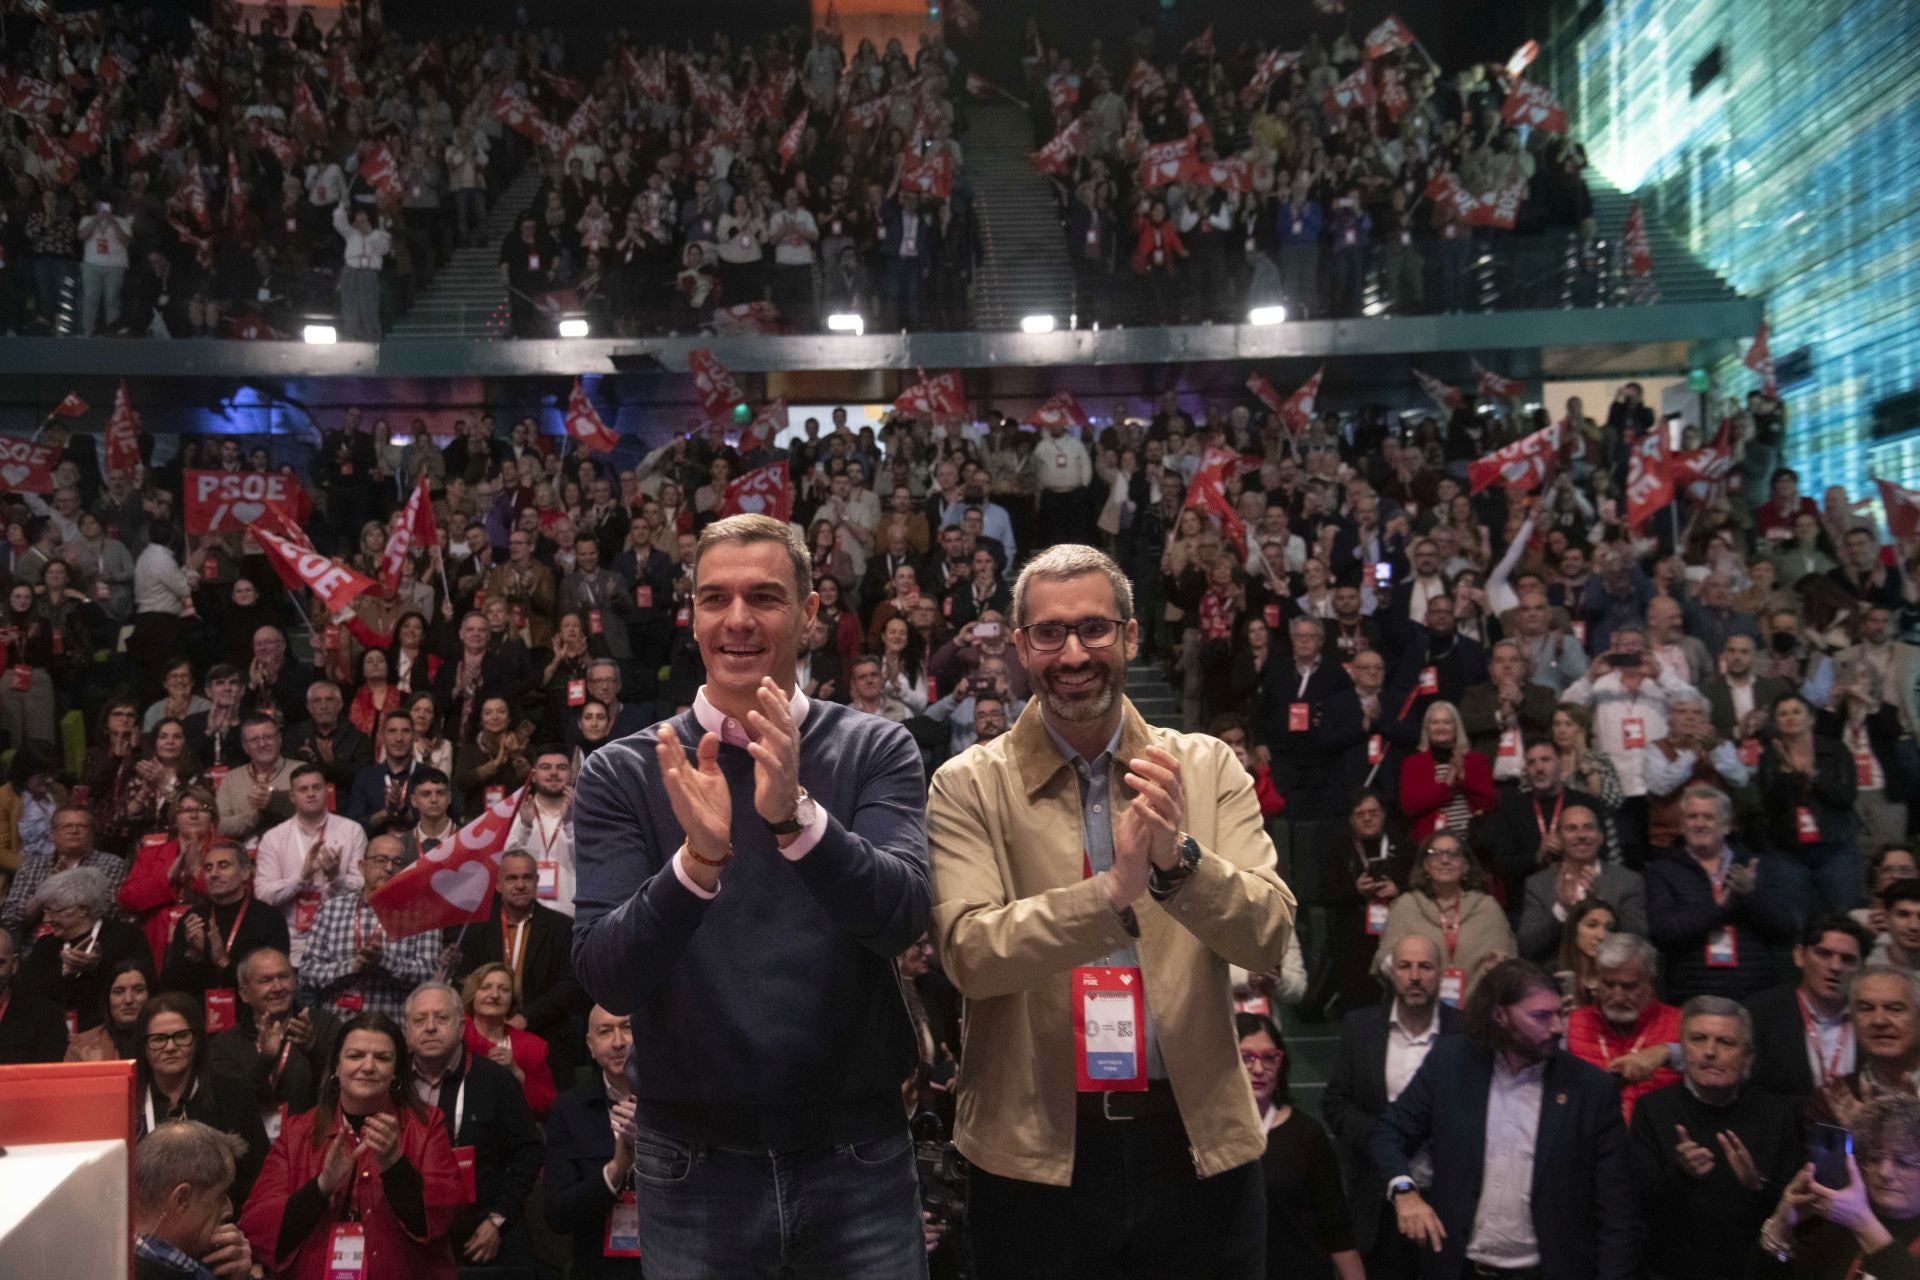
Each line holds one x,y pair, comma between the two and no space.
1075,856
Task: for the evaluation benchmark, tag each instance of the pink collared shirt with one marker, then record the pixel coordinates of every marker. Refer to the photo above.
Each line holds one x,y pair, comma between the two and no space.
734,732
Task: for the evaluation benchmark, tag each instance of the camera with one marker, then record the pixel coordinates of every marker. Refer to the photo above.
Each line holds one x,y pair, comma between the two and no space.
941,1168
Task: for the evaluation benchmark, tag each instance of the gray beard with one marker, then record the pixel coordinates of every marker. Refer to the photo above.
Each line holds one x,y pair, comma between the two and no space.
1083,709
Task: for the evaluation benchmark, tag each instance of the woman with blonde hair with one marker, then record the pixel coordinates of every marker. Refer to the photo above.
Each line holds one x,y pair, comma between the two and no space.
492,999
1443,785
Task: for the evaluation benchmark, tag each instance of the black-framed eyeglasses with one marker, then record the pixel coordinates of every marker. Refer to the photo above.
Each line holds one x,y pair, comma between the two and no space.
1094,633
178,1039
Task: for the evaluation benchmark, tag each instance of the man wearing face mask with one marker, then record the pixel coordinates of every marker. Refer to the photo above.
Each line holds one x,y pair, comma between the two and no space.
181,1210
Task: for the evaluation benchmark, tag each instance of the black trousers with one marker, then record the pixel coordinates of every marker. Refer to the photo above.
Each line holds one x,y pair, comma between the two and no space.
1136,1211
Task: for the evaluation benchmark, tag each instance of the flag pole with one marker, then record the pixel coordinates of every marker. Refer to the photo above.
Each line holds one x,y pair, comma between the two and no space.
440,559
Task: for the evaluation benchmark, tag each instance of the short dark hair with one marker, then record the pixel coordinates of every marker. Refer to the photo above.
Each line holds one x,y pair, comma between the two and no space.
255,719
426,773
1252,1024
302,770
1507,983
396,714
1900,891
1833,922
546,749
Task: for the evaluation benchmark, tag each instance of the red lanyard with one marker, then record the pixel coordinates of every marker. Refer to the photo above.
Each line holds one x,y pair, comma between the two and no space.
1450,929
1853,1272
1558,804
237,920
1829,1065
540,827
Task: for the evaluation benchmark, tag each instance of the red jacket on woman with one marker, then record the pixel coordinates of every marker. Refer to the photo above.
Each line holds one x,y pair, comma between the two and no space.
392,1251
530,1055
1164,238
149,898
1424,799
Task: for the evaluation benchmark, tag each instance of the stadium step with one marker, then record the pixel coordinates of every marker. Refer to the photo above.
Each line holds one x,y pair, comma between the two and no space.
1024,270
1678,276
466,298
1156,700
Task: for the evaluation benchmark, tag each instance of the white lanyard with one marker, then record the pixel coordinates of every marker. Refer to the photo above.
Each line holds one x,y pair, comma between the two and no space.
459,1112
152,1123
1305,676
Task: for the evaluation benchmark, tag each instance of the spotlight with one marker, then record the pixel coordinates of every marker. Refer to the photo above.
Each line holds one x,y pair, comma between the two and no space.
1036,324
324,335
846,322
1275,314
573,327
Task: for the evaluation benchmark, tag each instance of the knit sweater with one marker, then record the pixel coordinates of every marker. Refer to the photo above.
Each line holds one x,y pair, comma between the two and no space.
769,1015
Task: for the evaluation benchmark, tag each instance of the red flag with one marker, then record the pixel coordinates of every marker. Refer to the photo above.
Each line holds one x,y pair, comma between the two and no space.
54,154
1266,392
26,467
941,397
196,89
110,69
1393,92
1228,175
123,433
584,423
1269,70
1144,79
452,883
1297,412
1202,44
762,491
1759,358
1523,465
766,426
1065,145
1494,387
1639,252
1208,492
1197,126
1388,36
929,175
333,584
1060,410
1501,209
307,118
747,317
1163,163
1903,509
415,528
32,97
377,166
71,407
281,523
262,138
1533,104
714,386
1702,473
1355,93
1649,480
1440,393
428,56
91,132
1523,58
790,140
344,76
224,501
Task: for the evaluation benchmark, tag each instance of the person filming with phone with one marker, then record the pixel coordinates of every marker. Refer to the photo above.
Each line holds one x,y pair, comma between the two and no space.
1869,1224
1627,689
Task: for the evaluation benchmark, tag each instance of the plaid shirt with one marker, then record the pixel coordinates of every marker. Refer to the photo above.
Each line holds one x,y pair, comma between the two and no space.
327,972
34,872
162,1254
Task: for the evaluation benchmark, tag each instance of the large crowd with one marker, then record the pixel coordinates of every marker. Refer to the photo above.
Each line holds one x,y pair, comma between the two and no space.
1665,766
251,175
1349,175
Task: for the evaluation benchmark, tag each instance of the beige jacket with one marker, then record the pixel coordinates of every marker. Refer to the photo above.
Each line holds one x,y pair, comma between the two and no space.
1013,914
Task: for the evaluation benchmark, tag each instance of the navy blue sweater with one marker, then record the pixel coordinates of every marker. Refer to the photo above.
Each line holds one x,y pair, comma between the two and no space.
769,1016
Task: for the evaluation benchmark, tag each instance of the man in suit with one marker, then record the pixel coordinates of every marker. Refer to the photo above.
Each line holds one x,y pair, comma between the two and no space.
1435,661
1505,711
1380,738
1523,834
590,1155
1407,606
1301,725
1802,1032
532,939
1554,891
1736,693
1380,1050
1531,1172
486,1112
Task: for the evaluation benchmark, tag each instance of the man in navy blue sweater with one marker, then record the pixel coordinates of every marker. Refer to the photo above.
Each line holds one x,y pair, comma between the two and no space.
747,872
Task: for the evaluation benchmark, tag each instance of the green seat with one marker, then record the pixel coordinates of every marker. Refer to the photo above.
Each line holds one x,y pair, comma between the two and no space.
73,742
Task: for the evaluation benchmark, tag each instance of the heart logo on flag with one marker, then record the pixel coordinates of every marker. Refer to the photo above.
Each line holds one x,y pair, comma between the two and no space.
464,886
248,512
1126,979
753,504
13,473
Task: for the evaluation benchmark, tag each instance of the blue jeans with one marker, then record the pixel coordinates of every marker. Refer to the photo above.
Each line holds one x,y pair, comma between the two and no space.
845,1212
1824,877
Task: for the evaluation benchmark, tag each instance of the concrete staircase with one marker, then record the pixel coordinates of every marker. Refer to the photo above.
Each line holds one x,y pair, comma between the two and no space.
466,298
1678,276
1157,701
1026,271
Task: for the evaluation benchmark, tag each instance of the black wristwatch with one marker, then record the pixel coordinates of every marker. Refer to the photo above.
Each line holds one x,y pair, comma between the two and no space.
801,819
1163,884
